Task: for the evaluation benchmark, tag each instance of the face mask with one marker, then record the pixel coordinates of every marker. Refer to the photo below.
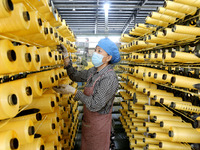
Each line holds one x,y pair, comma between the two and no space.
97,59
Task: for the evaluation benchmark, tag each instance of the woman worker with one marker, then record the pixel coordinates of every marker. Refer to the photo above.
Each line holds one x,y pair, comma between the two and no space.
98,95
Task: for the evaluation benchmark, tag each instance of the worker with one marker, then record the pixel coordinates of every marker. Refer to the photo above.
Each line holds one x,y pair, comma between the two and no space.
98,94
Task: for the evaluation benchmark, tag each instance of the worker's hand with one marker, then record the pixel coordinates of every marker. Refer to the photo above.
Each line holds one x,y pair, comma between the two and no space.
65,89
66,61
63,50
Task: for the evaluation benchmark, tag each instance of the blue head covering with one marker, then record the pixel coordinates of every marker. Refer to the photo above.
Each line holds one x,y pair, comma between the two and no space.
111,48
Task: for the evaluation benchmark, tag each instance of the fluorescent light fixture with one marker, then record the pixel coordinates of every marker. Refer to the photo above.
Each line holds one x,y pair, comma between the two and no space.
106,6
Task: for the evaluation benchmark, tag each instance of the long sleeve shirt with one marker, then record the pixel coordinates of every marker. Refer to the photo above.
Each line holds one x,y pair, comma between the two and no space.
104,90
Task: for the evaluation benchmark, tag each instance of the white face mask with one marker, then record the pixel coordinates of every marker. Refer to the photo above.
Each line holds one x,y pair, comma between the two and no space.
97,59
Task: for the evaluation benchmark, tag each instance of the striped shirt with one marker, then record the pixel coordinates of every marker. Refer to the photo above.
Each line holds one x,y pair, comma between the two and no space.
104,90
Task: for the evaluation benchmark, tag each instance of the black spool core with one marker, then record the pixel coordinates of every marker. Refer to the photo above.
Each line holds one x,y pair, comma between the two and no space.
60,76
148,93
161,124
14,143
56,57
57,119
46,31
40,85
171,133
57,99
28,57
31,130
38,116
28,91
53,126
155,75
11,55
51,30
40,21
173,54
26,16
56,77
50,54
144,90
153,135
37,58
160,144
52,80
173,79
164,76
12,99
42,147
52,104
9,5
59,138
55,147
161,100
148,112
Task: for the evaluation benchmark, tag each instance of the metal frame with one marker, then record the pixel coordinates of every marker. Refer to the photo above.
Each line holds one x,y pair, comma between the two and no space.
89,17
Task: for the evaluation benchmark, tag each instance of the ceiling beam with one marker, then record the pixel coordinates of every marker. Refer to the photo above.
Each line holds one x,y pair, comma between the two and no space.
134,15
94,6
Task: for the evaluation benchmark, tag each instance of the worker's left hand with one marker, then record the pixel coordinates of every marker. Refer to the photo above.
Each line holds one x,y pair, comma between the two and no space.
65,89
63,50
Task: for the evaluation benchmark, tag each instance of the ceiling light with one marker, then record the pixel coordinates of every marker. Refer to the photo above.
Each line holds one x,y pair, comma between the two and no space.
73,9
106,6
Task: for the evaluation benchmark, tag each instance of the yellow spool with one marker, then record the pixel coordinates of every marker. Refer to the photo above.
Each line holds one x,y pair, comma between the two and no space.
6,7
159,118
178,36
9,140
150,124
44,104
141,100
8,57
158,40
46,56
156,130
195,3
185,57
35,25
186,29
37,144
148,107
182,81
24,91
46,8
18,20
24,60
52,138
174,146
190,10
153,147
36,85
161,136
52,116
50,146
138,136
33,117
171,12
167,124
163,17
37,37
9,101
140,129
54,97
36,63
150,141
140,85
45,127
24,129
156,22
46,77
168,99
139,142
160,112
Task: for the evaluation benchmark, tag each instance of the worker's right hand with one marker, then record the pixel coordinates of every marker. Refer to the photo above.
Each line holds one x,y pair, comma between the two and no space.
65,89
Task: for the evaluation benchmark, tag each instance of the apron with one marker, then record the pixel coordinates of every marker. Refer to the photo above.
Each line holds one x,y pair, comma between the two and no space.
96,128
